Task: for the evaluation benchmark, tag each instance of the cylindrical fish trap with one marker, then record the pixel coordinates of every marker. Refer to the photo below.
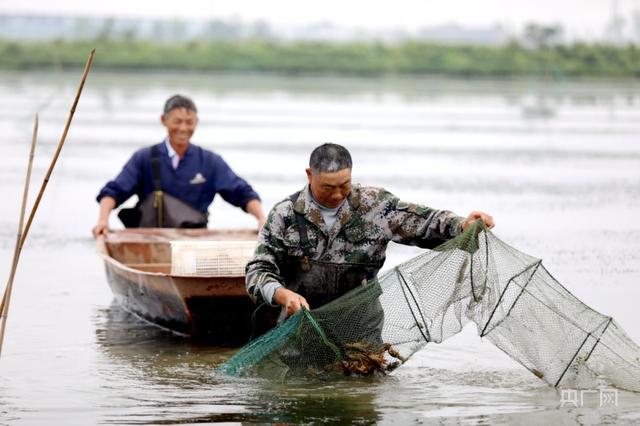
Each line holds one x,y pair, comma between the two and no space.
211,258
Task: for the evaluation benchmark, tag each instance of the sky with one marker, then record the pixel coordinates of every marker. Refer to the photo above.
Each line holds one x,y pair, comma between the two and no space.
579,17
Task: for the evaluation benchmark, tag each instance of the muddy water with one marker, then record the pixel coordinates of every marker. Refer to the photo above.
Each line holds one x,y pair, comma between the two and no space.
558,165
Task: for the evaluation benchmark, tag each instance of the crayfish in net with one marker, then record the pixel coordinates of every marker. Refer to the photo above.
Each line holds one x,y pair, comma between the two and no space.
365,359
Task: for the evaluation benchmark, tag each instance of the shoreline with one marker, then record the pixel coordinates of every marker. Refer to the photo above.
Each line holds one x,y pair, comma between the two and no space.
359,60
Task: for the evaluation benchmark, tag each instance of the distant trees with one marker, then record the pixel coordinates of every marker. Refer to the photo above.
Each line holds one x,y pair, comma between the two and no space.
540,36
542,39
541,55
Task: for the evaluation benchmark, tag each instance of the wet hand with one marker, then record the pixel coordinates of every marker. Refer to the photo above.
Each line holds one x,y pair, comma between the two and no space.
291,300
478,215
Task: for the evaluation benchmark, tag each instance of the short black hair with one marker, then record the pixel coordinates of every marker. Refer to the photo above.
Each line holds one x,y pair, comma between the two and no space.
329,158
179,101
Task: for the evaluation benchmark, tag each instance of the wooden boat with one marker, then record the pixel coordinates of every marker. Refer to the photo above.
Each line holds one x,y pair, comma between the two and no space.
138,266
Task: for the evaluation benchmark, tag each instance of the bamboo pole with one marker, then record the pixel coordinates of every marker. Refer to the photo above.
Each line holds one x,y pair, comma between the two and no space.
60,144
23,234
16,252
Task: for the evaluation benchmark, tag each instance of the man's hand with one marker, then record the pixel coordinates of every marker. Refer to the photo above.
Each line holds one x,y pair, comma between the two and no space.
107,204
101,228
478,215
291,300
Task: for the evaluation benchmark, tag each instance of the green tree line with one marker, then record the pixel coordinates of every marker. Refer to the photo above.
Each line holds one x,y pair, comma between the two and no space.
366,58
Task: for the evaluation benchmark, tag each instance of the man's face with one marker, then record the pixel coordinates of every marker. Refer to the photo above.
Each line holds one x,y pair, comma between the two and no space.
330,189
180,124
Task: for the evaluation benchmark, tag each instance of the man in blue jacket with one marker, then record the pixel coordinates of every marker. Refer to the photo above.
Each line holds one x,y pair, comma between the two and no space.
177,171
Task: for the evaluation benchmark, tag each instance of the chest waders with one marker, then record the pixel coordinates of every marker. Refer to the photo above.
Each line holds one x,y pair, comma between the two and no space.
318,281
159,209
321,282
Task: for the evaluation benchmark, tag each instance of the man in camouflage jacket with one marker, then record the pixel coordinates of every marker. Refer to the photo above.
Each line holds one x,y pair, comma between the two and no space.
332,236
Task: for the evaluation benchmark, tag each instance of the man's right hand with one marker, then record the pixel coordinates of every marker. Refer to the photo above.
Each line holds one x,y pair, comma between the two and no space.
107,204
101,228
291,300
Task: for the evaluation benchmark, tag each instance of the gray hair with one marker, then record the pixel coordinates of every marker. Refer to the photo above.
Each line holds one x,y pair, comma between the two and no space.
329,158
179,101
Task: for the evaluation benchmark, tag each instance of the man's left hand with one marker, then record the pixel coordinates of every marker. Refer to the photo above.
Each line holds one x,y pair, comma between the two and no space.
478,215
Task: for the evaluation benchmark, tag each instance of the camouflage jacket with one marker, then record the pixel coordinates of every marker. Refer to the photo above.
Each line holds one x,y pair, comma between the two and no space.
366,222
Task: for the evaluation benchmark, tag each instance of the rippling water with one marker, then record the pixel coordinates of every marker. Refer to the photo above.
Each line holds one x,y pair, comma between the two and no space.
558,165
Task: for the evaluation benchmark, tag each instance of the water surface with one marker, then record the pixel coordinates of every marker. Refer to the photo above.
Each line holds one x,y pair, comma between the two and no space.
557,164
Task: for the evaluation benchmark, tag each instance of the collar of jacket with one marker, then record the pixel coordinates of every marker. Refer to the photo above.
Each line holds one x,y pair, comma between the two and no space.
305,205
162,148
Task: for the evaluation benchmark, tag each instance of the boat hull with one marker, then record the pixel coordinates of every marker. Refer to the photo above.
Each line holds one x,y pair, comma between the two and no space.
215,309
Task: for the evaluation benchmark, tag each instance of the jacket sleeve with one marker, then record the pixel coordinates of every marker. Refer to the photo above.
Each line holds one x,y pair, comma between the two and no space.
126,183
422,226
231,187
268,259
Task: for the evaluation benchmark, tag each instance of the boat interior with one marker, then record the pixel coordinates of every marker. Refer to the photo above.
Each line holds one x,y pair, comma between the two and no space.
149,249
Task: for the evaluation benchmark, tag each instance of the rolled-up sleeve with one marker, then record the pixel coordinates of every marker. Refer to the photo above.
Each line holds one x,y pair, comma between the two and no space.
126,183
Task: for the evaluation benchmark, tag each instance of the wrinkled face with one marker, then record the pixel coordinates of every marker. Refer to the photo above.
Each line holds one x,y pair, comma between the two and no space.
180,124
330,189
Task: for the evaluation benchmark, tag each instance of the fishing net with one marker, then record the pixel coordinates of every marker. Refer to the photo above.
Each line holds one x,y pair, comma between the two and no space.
509,295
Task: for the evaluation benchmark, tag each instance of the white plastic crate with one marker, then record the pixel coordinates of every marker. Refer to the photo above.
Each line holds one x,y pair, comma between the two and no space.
211,258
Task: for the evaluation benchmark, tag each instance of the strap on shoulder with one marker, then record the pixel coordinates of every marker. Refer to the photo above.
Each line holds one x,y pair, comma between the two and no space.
155,168
305,245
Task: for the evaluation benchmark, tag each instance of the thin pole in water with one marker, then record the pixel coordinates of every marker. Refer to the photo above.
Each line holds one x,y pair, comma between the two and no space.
23,234
60,144
16,252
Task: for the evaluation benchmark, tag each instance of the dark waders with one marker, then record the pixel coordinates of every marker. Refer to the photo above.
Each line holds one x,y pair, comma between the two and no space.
322,282
159,209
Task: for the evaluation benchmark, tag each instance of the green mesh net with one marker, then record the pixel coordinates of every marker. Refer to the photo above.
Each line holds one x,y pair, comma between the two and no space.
510,296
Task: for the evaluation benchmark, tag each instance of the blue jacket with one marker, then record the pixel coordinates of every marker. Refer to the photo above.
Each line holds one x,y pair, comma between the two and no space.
183,182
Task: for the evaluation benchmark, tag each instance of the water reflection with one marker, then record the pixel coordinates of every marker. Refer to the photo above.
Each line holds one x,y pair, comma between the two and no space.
138,344
156,377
